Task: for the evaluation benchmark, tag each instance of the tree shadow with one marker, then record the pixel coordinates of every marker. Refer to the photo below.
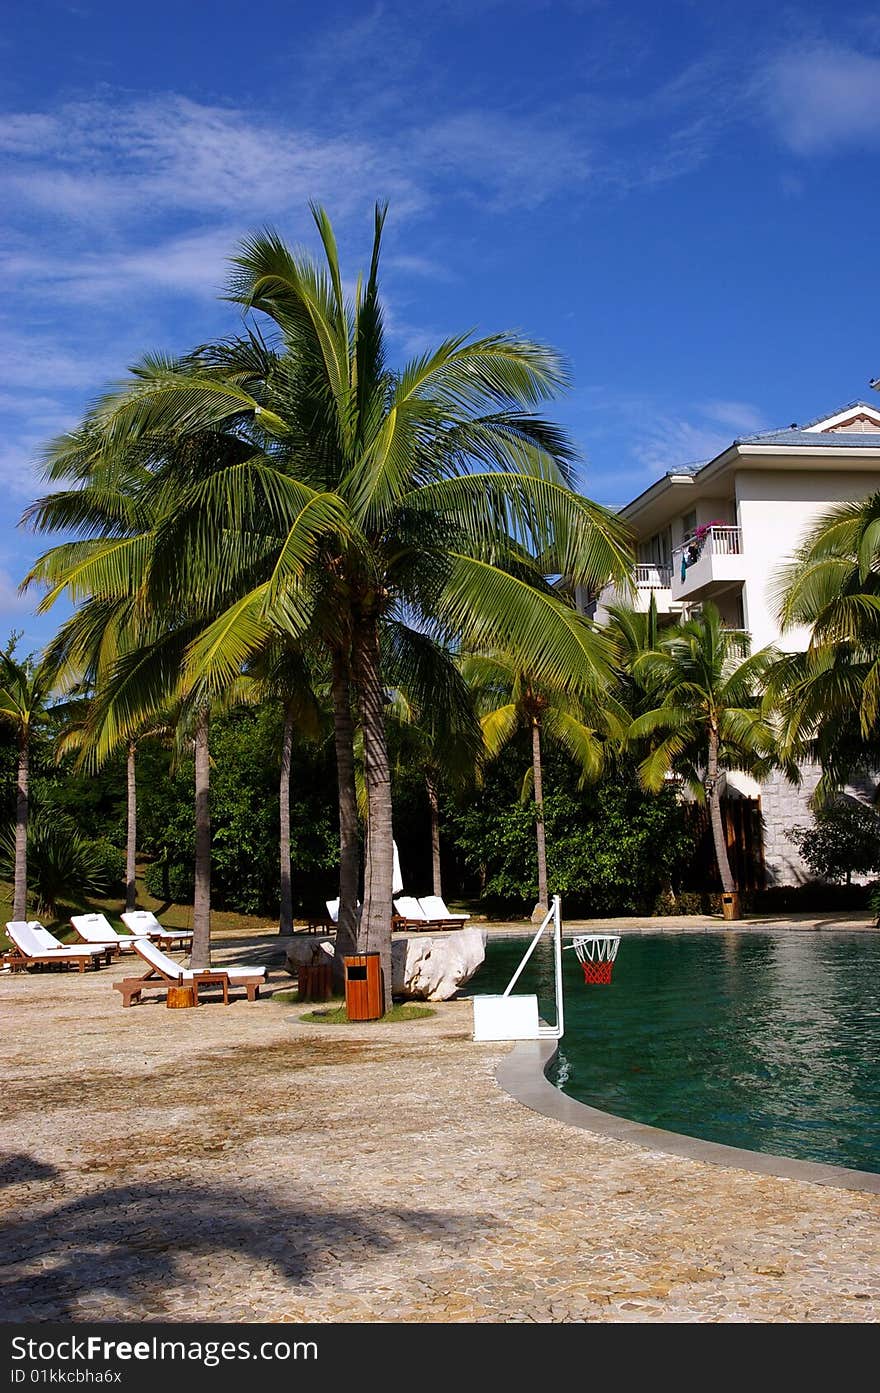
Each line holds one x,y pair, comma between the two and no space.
130,1241
17,1168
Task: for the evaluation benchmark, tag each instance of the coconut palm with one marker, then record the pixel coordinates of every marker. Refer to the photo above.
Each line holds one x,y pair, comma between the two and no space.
432,497
829,693
24,694
510,700
708,714
120,642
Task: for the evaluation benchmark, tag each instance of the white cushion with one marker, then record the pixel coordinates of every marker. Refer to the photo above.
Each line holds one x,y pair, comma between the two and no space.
408,907
435,908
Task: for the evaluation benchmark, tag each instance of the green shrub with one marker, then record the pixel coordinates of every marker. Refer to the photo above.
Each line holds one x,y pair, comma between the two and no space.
170,881
112,863
843,841
62,866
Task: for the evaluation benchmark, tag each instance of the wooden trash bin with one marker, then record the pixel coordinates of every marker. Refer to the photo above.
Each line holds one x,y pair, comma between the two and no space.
364,987
314,981
180,995
730,904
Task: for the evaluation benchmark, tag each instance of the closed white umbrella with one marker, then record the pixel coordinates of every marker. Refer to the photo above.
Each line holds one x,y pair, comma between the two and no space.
397,880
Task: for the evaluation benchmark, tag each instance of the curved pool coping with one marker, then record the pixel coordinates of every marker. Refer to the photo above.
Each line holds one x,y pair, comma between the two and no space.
523,1074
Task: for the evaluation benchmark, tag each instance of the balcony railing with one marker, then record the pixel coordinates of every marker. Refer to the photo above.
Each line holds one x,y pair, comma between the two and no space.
718,541
653,577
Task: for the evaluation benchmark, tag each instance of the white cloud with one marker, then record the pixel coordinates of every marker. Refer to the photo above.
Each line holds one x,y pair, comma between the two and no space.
173,154
10,600
821,97
519,161
741,416
668,442
194,263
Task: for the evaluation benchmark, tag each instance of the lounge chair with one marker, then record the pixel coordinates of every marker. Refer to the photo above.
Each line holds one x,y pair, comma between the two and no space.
168,973
435,908
410,913
333,910
143,923
34,946
97,929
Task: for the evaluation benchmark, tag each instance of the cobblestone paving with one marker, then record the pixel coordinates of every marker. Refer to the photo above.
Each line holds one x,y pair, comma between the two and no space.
236,1164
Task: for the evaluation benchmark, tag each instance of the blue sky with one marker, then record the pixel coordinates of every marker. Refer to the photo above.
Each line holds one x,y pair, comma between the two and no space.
683,198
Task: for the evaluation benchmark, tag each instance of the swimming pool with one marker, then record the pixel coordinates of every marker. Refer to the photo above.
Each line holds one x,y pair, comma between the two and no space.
768,1041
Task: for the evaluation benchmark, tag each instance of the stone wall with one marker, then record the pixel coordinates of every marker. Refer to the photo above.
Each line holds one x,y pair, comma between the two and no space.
783,806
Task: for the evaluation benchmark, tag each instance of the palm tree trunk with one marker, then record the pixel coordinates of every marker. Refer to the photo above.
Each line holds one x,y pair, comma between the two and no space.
375,925
131,830
541,907
434,805
19,899
349,847
285,916
201,943
715,819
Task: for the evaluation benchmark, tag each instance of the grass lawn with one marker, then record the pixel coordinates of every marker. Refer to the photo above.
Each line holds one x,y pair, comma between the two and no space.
224,923
335,1015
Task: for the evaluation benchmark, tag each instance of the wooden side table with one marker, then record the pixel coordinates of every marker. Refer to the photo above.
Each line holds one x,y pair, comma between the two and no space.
207,978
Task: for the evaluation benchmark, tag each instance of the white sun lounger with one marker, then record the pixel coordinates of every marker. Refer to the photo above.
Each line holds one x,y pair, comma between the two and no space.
34,945
410,913
435,908
171,974
96,928
143,923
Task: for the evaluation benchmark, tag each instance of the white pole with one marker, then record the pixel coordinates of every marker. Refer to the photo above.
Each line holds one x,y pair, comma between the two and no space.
531,948
557,956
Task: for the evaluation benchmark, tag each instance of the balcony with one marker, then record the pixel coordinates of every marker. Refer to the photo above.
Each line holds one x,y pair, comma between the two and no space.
647,580
706,563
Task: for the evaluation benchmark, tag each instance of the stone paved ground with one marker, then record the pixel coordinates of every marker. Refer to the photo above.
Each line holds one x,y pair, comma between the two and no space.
235,1164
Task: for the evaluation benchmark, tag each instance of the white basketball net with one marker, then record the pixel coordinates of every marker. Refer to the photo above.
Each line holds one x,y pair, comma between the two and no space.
596,948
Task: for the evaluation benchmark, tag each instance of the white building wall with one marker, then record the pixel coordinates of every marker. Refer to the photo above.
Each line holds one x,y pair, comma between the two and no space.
775,510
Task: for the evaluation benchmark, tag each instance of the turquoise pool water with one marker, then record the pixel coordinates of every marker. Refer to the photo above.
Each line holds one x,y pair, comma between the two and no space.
765,1041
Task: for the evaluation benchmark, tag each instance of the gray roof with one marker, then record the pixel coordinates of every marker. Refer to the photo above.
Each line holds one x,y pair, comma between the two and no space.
802,435
812,439
848,406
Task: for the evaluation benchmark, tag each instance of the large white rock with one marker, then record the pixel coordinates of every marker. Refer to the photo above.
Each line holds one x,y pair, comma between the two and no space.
432,969
423,967
303,950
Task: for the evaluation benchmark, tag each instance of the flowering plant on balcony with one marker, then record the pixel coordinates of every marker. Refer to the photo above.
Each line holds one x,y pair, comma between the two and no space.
701,533
693,546
697,539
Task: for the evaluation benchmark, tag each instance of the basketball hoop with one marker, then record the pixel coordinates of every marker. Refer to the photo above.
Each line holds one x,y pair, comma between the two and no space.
596,954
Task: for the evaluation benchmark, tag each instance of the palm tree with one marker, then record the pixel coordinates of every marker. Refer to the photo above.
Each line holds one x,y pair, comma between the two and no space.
124,643
432,498
829,693
708,714
24,693
510,700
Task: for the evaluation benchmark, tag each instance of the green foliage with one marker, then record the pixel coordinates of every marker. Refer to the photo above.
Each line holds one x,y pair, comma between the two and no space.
245,755
843,841
63,866
611,848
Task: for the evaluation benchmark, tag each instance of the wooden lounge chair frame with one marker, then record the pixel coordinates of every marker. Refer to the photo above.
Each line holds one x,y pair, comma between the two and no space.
132,987
18,961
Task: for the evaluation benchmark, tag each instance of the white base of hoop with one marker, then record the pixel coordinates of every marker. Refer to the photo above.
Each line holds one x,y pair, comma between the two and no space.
506,1018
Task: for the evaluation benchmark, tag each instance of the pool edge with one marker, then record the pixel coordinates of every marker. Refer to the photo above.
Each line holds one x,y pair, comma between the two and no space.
522,1074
